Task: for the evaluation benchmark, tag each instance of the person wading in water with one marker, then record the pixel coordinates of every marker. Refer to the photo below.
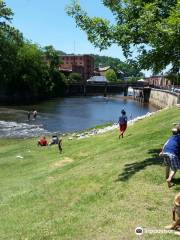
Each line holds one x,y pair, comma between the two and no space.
34,114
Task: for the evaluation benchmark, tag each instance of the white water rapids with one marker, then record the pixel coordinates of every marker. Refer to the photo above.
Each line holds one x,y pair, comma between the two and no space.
14,129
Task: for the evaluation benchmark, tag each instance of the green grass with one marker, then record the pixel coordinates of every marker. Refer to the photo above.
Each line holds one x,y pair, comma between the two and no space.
98,188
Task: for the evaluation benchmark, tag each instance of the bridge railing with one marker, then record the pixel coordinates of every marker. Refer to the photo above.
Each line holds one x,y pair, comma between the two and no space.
110,84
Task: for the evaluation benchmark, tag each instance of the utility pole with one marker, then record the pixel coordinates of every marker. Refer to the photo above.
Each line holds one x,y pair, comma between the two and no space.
74,47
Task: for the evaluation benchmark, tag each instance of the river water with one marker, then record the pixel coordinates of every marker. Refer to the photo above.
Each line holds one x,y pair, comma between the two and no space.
67,115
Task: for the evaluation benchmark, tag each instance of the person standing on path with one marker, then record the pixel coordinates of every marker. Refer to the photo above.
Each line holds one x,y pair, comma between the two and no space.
122,123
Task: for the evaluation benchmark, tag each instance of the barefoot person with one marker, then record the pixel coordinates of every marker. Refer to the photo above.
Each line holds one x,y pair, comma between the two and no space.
28,115
34,114
171,152
176,214
122,123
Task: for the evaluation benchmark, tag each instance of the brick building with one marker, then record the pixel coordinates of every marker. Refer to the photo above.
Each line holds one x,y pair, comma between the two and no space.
158,81
83,64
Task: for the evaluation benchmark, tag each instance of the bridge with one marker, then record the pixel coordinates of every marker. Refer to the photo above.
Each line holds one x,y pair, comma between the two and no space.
143,93
102,88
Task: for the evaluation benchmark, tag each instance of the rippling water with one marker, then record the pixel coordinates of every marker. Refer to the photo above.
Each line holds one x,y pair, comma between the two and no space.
67,115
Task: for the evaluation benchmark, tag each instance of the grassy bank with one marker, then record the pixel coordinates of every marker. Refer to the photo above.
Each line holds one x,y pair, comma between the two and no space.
98,188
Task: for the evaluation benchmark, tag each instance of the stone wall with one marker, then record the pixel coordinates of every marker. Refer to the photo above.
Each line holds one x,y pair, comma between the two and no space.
163,98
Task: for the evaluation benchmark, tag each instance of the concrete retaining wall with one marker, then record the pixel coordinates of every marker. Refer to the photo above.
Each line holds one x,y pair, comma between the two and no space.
163,98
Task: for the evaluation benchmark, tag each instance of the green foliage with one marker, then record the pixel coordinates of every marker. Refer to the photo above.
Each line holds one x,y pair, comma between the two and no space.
133,79
32,72
174,78
120,81
58,83
121,68
9,47
75,77
10,42
26,70
57,79
153,27
52,57
5,13
111,75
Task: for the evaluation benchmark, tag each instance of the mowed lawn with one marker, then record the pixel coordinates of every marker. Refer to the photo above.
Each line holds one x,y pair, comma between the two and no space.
98,188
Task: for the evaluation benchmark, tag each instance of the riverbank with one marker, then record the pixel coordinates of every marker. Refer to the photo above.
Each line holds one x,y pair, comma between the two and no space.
110,127
98,188
25,130
66,115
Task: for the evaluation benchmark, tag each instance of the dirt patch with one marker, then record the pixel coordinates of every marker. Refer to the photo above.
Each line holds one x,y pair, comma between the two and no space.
62,162
83,154
51,179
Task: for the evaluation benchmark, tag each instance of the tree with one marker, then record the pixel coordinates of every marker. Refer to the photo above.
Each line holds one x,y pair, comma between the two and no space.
111,75
32,75
75,77
5,14
120,68
26,70
174,77
10,42
57,79
52,57
152,26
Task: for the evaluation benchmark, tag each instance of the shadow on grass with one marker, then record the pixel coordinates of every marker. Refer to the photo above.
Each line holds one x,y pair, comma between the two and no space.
132,168
176,181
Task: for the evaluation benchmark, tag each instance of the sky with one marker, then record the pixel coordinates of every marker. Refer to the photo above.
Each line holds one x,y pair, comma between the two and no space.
45,22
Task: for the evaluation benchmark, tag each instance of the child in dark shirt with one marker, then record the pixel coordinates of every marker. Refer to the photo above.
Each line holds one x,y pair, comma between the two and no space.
122,123
171,153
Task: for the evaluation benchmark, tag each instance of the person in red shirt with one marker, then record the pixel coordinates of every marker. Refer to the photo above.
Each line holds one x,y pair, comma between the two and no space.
43,141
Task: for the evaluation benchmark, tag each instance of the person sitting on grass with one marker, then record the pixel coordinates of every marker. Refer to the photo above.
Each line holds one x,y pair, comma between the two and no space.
54,140
171,153
122,123
42,141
